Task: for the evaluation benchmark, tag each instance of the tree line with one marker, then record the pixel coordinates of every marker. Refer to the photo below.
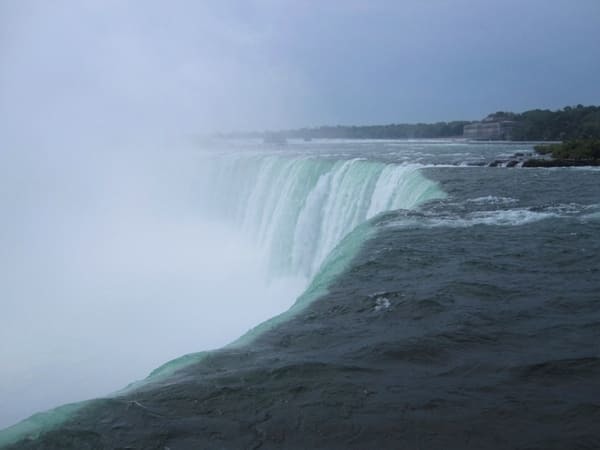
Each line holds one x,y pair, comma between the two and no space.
390,131
579,149
569,123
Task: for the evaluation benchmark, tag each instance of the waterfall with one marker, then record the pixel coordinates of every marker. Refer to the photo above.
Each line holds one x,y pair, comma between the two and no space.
297,209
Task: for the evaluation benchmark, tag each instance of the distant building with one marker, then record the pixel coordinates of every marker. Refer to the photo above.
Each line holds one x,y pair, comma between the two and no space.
490,130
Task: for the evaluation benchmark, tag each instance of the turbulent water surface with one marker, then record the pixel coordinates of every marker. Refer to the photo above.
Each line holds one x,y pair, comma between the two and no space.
447,305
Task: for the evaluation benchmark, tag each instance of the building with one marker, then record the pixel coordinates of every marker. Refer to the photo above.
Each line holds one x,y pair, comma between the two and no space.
490,130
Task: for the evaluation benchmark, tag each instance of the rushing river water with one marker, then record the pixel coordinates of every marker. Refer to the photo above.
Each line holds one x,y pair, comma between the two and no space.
445,304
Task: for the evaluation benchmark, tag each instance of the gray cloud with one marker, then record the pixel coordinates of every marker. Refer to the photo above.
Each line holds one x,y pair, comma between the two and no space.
138,67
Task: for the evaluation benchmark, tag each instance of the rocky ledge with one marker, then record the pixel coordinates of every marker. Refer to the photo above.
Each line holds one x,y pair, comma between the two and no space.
536,162
529,160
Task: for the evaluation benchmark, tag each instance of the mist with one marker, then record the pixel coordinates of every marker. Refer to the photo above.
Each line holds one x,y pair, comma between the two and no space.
111,268
110,265
114,70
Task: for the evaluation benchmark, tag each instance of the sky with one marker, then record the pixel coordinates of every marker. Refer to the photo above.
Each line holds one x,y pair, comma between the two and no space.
185,66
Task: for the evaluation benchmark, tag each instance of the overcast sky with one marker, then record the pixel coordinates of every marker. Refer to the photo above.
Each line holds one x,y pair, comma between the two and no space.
178,65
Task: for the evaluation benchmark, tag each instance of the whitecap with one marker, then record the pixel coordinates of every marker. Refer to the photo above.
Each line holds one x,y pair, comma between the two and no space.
493,200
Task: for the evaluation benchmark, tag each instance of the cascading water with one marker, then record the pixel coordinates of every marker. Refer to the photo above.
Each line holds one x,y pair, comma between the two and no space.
305,212
299,208
299,211
188,263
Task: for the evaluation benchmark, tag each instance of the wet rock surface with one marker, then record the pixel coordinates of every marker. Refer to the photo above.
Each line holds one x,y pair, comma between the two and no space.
561,162
529,160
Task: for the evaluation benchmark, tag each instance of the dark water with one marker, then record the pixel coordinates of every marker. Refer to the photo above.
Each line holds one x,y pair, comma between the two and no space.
471,322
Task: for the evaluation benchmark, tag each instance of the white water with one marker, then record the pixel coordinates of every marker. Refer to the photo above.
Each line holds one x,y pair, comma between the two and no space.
116,264
298,208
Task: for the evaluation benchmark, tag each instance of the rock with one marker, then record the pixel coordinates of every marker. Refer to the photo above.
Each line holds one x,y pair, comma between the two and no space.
560,162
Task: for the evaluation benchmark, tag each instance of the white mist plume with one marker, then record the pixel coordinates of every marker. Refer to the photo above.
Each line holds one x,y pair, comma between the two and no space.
109,269
138,69
108,266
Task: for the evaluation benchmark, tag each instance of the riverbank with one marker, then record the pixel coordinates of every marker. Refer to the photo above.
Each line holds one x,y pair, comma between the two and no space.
578,153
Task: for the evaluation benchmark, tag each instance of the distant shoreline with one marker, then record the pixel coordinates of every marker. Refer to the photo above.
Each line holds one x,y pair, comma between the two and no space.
537,125
451,138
